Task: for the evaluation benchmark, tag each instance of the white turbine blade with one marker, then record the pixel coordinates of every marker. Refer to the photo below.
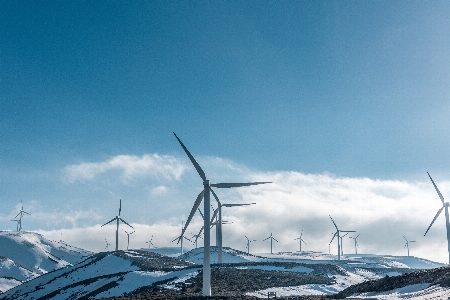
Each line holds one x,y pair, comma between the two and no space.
214,214
231,185
412,241
435,217
215,196
201,230
232,205
125,222
275,240
177,238
333,237
334,223
437,190
246,237
194,209
120,206
26,213
357,236
347,231
194,162
201,214
267,238
109,222
405,239
187,239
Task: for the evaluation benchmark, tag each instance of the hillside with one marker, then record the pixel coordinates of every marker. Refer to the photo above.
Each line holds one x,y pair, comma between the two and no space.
27,255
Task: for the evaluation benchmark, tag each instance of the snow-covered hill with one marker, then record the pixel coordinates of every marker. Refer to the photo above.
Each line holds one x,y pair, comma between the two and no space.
26,255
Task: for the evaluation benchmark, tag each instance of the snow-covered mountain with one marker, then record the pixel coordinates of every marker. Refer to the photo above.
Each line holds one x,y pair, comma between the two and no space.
26,255
119,273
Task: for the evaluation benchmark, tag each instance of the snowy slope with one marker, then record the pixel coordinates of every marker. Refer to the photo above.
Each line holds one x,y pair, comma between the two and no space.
26,255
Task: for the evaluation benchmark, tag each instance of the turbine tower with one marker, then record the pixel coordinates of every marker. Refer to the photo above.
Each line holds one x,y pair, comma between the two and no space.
271,239
356,243
219,222
181,237
337,233
205,193
300,240
21,212
128,235
447,223
18,224
117,219
248,244
407,244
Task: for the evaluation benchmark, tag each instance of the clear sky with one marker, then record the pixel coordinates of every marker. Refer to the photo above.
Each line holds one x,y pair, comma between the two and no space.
350,91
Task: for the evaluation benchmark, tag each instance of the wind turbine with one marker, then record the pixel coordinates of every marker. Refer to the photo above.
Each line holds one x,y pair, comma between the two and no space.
447,223
18,224
205,193
342,243
181,237
117,219
407,244
219,228
196,236
248,244
21,212
128,235
107,244
337,233
271,239
356,243
150,243
300,240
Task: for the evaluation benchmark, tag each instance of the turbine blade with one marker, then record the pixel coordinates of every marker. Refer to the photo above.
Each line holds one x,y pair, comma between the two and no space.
201,230
194,209
109,222
357,236
333,237
231,185
405,239
177,238
437,190
193,161
201,214
215,196
231,205
125,222
275,240
17,215
187,239
120,206
214,214
435,217
26,213
334,223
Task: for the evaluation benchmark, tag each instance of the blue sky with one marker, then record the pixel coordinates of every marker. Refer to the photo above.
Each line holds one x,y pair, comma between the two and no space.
350,89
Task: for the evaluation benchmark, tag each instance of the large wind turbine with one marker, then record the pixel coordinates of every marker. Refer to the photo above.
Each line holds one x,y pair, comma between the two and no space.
248,244
300,240
21,212
205,193
117,219
356,243
337,233
271,239
447,223
407,244
219,222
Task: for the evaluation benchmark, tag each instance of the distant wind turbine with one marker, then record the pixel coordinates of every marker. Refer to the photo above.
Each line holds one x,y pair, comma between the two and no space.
248,244
220,222
342,243
271,239
447,223
407,244
196,236
128,235
150,243
356,243
117,219
300,240
205,193
181,237
337,233
107,244
21,212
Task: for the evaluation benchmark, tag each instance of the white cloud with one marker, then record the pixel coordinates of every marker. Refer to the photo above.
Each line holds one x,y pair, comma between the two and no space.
129,166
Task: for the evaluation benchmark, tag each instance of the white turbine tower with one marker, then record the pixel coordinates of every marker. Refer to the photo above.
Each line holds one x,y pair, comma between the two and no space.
337,233
248,244
356,243
447,223
271,239
219,222
181,237
205,193
21,212
407,244
117,219
300,240
128,235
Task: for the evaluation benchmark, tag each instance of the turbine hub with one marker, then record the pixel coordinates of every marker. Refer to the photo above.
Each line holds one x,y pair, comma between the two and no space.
206,184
